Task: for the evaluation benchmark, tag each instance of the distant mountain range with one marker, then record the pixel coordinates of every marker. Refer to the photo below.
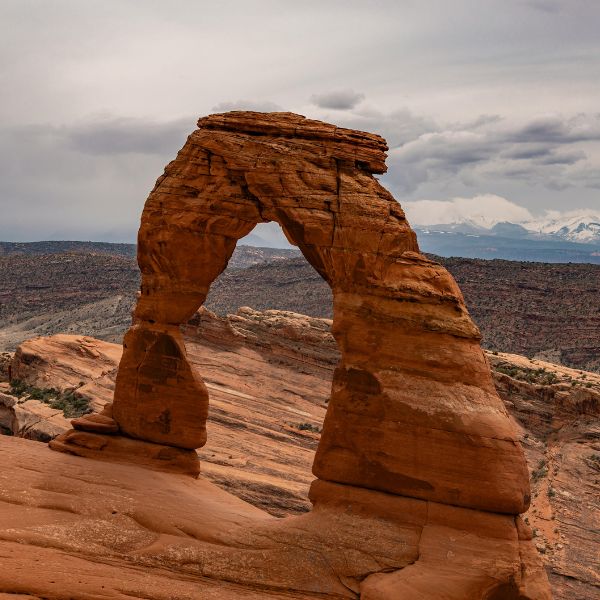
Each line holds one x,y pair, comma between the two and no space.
571,237
581,227
566,237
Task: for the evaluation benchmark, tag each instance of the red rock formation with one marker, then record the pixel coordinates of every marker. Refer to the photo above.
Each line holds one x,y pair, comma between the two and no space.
269,376
413,411
65,361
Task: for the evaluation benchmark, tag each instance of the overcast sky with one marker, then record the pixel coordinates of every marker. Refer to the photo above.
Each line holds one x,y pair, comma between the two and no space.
488,99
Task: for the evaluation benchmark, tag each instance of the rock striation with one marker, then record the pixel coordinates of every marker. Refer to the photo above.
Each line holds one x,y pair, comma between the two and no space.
414,435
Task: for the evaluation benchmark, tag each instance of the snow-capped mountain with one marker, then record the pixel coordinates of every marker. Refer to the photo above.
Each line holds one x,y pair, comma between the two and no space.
575,226
583,227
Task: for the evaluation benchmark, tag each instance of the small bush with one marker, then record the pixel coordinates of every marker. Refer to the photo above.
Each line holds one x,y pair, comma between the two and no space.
539,376
540,472
308,427
71,404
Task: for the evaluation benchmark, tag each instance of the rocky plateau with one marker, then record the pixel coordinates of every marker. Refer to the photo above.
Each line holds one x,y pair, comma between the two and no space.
91,289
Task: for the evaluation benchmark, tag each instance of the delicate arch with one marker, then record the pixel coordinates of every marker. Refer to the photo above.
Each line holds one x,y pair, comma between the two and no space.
413,408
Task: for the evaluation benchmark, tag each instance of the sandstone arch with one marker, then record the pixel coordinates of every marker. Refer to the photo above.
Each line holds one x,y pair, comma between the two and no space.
413,408
413,420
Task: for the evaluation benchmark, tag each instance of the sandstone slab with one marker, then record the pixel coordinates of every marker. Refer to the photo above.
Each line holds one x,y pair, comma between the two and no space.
124,531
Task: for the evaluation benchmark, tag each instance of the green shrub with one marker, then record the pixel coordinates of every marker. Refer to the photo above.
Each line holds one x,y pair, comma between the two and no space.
541,471
72,404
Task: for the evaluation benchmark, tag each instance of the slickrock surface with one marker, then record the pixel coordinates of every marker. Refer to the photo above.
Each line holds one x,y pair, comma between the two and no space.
269,374
67,361
558,410
417,455
72,527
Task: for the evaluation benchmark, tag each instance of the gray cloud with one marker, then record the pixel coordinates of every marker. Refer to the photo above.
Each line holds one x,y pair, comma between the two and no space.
525,151
111,135
538,152
547,6
503,101
398,126
562,158
557,130
337,99
86,181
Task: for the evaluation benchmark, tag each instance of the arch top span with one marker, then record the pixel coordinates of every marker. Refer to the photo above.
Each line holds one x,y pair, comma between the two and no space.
368,149
238,169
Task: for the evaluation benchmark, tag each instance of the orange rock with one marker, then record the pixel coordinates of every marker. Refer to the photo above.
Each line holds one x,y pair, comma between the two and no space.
112,523
65,361
96,423
413,408
116,448
167,402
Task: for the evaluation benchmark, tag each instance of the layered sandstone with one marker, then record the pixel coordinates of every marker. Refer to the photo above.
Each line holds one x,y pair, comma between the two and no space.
411,367
69,361
414,428
269,376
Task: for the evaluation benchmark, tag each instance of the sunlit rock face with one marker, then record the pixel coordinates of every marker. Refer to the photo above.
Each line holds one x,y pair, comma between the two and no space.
414,431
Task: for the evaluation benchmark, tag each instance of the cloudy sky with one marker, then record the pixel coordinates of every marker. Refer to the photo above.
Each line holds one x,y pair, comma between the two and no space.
493,103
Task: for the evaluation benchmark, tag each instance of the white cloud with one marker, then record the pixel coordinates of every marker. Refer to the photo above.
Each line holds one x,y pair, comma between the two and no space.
484,210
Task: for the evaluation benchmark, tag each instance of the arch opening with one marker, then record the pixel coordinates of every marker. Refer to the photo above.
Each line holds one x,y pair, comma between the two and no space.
267,361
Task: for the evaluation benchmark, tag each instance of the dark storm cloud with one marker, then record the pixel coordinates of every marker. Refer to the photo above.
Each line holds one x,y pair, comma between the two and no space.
538,151
337,99
527,151
562,158
557,130
547,6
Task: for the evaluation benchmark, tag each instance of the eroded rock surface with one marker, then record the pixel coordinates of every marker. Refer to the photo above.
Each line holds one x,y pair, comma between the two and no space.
53,379
413,421
400,320
269,377
69,361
